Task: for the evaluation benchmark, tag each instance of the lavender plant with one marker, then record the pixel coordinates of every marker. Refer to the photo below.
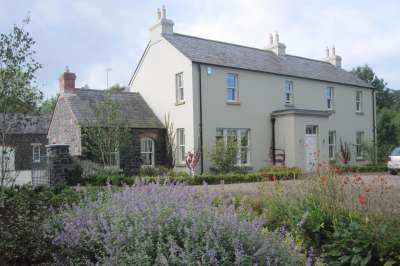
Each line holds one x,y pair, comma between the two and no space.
165,225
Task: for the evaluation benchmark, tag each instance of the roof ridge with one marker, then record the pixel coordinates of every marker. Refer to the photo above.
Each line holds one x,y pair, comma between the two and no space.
97,90
234,44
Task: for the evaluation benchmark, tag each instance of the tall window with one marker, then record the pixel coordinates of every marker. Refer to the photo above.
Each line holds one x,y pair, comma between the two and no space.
359,141
180,145
359,101
232,87
36,153
288,92
147,151
241,138
329,98
332,145
179,88
113,159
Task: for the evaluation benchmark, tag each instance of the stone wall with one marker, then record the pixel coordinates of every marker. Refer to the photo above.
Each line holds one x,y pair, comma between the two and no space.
59,162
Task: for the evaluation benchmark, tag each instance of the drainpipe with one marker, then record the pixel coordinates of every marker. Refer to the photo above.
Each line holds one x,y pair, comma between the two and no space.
201,122
374,125
273,140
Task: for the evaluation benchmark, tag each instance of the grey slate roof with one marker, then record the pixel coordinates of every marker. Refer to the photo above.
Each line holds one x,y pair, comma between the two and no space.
236,56
25,123
134,109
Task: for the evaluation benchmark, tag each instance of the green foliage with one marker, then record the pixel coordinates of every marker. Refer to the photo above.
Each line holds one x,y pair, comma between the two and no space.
116,88
224,155
48,105
23,234
107,134
169,141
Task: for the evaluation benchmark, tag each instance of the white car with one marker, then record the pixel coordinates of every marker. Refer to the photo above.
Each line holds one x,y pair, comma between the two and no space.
394,161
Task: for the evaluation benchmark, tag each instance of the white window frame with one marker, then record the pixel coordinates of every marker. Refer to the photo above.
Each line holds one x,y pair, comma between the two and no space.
147,146
225,132
329,94
332,145
180,145
359,102
289,92
36,146
115,161
235,87
179,88
359,141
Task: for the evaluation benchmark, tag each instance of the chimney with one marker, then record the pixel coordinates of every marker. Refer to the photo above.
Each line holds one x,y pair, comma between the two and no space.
275,46
162,25
333,58
67,82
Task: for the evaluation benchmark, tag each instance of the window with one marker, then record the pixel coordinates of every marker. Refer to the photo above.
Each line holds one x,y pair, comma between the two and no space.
241,138
209,70
179,88
232,88
180,145
332,145
311,130
288,92
329,98
359,141
36,153
147,151
359,101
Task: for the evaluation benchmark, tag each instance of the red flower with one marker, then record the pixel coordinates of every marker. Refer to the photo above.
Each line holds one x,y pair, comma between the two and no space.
361,200
273,178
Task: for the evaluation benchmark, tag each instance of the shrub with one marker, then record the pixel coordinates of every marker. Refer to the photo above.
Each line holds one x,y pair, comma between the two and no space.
166,225
224,155
23,236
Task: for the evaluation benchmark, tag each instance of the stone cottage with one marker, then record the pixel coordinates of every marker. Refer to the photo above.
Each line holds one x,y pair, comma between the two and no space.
76,106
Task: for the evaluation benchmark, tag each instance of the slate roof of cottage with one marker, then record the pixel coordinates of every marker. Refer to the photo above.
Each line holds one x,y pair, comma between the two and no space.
133,107
237,56
18,123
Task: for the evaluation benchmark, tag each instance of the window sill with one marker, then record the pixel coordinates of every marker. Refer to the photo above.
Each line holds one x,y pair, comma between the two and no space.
180,103
181,164
289,104
359,113
232,102
331,110
360,159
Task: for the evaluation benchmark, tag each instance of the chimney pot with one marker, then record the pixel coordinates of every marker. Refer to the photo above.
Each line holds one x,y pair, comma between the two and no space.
162,25
67,82
327,52
276,37
333,50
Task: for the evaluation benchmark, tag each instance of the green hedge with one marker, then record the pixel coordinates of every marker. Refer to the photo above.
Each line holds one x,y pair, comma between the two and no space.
363,168
182,177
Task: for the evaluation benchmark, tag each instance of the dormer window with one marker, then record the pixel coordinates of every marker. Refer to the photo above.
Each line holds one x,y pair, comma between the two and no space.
288,92
179,88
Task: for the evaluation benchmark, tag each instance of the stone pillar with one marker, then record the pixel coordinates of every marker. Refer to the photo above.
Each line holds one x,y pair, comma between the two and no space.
58,162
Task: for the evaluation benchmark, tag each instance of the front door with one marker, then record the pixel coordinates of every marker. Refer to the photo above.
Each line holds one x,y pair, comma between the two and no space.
310,147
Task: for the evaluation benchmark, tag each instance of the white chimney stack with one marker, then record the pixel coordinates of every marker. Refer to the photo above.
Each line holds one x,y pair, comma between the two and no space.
162,25
275,46
333,58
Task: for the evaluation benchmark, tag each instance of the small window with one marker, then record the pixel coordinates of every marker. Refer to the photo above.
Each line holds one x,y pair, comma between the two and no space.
359,101
288,92
232,88
180,145
359,141
311,130
179,88
36,153
329,98
147,151
332,145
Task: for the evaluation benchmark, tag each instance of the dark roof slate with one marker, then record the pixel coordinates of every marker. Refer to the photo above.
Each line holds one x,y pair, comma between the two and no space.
236,56
134,109
18,123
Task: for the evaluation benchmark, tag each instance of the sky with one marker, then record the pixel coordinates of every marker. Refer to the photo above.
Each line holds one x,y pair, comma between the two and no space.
90,36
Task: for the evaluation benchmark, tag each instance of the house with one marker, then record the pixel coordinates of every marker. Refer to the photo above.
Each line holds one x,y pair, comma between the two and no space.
279,107
25,144
76,106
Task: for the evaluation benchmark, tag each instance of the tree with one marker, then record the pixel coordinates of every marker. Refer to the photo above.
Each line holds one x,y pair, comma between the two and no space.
116,88
48,105
224,155
169,141
107,134
18,94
